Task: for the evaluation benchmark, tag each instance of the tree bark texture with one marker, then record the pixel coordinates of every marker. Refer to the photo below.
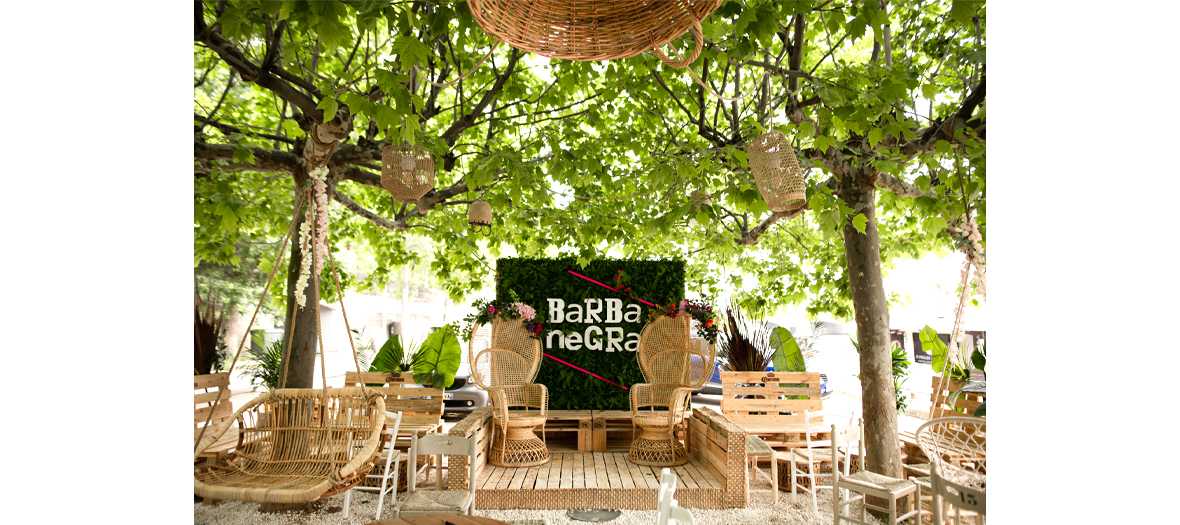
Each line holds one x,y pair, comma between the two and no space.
863,253
302,351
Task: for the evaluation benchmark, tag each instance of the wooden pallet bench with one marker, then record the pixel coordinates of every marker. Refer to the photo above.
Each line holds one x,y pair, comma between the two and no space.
751,400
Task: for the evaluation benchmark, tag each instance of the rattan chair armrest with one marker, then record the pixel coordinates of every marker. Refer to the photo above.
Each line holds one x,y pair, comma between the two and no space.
499,402
540,393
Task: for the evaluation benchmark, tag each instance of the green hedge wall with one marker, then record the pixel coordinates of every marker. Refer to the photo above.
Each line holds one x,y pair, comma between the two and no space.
537,280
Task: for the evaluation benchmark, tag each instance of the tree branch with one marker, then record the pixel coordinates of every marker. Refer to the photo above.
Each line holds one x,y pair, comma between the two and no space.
397,225
249,72
750,237
898,186
264,159
945,128
227,129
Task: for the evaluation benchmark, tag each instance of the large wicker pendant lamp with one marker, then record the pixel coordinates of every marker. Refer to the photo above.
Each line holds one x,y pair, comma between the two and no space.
407,172
588,30
777,171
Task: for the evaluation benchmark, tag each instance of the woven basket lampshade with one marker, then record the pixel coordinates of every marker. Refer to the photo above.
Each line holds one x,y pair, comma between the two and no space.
407,172
777,171
479,214
588,30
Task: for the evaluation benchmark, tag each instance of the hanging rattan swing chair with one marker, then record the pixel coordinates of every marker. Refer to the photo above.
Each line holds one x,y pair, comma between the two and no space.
295,445
590,30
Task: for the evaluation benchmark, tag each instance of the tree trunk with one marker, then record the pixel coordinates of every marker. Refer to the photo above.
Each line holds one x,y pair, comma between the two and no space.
302,352
872,324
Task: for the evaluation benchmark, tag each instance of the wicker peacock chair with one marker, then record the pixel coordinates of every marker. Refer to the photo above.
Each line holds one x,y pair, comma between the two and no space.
504,362
674,365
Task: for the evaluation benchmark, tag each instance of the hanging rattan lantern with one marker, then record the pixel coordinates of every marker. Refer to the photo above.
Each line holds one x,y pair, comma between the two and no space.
587,30
777,171
698,199
479,215
407,172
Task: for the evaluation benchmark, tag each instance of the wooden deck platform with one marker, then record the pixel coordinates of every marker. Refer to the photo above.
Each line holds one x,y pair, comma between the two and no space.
580,479
591,480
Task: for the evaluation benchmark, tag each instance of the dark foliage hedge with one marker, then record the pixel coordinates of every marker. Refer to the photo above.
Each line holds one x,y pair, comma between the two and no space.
537,280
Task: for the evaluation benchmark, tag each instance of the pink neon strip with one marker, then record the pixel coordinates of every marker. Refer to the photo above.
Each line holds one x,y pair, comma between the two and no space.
608,288
584,370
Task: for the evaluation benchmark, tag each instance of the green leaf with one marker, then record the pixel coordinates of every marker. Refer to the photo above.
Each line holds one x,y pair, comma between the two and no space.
934,346
962,11
439,358
787,356
859,221
329,105
410,50
874,136
389,356
243,155
292,128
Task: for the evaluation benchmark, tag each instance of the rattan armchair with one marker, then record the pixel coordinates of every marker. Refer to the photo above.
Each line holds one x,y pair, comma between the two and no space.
504,363
674,365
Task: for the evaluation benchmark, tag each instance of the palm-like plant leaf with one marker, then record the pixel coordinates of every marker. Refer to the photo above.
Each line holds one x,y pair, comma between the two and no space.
745,345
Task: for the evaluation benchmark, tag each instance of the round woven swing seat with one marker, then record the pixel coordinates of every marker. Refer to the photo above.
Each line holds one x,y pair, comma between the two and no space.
296,445
588,30
776,171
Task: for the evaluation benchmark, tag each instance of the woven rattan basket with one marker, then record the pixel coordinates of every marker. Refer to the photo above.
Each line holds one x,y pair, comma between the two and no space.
407,172
587,30
777,171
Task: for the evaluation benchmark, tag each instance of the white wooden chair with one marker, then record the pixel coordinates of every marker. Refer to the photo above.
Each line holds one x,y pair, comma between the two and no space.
666,507
387,477
865,483
961,497
420,502
814,454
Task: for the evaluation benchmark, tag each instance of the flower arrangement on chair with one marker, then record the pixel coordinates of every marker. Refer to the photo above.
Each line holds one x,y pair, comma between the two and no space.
486,311
700,311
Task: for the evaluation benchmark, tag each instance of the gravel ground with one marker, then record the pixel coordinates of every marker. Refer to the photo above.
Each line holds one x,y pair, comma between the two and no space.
329,511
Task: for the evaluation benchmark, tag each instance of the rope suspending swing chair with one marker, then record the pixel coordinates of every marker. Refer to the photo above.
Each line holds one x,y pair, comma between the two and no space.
297,445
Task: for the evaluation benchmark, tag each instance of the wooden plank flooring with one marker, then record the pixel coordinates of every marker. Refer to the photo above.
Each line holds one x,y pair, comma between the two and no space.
602,470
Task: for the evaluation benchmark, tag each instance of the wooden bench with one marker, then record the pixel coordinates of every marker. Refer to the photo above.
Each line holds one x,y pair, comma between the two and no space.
758,408
206,389
421,408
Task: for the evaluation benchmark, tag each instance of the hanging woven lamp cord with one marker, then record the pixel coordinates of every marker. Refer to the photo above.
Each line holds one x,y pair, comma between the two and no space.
245,335
495,43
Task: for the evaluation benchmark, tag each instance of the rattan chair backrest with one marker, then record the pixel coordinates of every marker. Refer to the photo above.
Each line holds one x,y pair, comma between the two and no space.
505,355
667,355
959,446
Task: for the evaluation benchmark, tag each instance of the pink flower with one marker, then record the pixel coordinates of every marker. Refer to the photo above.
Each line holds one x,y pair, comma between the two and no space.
491,309
526,312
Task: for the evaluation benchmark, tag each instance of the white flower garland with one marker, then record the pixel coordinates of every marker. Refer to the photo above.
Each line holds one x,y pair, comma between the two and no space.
317,217
969,230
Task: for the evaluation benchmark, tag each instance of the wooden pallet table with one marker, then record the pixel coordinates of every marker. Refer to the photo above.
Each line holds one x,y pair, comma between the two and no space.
563,422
